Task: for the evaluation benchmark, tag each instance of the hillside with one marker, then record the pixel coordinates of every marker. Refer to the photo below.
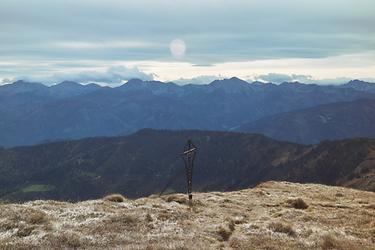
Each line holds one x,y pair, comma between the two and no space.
148,162
32,113
331,121
274,215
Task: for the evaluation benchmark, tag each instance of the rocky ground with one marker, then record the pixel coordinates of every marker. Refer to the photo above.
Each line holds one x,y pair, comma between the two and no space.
274,215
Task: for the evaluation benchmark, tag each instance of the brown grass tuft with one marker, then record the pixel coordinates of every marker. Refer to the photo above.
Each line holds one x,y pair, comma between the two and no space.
231,224
149,217
36,216
24,231
179,198
125,220
224,233
331,242
371,206
235,243
65,241
282,227
297,203
115,198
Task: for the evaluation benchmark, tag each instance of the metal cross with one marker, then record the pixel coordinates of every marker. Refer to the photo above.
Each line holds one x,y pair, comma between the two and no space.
188,156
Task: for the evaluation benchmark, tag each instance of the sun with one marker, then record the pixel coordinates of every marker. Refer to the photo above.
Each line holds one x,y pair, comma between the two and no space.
177,48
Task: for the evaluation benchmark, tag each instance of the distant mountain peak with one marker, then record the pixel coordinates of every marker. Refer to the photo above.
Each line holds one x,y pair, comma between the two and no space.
292,83
19,82
142,82
23,85
361,85
23,82
260,83
357,81
135,81
139,82
68,83
232,80
155,87
75,85
93,85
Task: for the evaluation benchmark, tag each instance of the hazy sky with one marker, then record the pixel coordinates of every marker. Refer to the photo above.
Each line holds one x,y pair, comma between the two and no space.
114,40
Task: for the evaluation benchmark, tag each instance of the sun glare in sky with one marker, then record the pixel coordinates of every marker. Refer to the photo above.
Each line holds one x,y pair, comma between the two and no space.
178,48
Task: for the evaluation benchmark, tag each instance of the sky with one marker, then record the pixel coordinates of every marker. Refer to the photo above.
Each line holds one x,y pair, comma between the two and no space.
195,41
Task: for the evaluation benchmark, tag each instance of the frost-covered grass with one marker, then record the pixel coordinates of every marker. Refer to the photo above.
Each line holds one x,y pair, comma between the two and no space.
274,215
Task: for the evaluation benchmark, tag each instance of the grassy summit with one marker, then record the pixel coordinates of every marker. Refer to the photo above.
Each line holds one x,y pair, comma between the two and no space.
274,215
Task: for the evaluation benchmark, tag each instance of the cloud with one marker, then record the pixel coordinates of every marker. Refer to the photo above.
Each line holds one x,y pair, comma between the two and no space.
214,31
280,78
102,44
111,76
276,78
289,36
199,80
5,81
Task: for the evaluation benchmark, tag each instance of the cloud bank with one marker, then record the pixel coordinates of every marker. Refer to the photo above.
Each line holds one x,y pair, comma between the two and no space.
199,80
280,78
115,75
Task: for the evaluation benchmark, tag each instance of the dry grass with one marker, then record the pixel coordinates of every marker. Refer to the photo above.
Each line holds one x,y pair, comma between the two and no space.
115,198
22,221
265,242
248,219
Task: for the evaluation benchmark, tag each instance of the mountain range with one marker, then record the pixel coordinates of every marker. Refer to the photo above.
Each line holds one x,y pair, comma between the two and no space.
312,125
149,162
32,113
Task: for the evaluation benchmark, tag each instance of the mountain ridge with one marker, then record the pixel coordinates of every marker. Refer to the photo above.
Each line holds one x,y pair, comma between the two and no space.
88,168
339,120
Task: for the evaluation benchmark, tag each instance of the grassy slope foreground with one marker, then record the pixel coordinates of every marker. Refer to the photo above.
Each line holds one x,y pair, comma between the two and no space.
270,216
